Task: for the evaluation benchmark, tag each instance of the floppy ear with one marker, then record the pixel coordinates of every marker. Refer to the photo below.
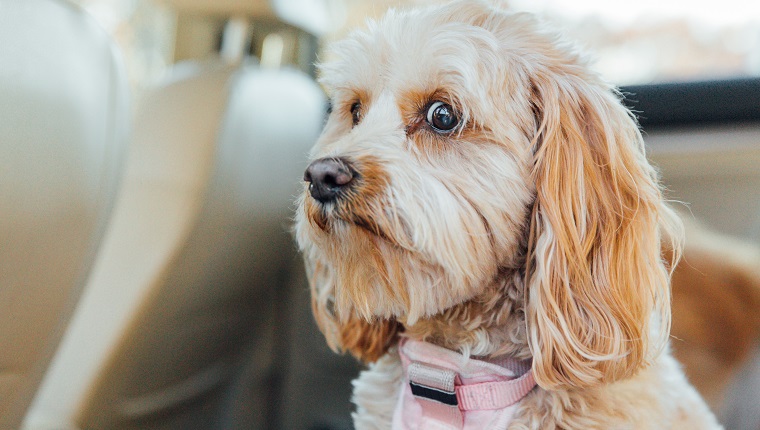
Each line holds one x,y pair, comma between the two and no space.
365,340
595,274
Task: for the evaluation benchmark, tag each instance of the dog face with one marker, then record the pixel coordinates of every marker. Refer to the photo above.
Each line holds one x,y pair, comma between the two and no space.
465,140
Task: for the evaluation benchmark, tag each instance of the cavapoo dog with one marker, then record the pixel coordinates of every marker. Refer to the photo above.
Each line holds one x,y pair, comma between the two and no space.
481,225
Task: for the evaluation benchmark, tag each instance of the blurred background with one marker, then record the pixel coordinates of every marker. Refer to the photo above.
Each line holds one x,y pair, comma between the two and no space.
646,42
150,154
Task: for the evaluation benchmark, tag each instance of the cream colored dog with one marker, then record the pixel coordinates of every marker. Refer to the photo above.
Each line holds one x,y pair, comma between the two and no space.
479,195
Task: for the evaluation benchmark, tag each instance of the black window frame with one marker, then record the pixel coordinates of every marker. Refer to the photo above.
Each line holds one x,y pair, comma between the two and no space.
697,103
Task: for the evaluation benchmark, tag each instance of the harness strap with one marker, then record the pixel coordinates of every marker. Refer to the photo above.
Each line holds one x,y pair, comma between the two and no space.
494,395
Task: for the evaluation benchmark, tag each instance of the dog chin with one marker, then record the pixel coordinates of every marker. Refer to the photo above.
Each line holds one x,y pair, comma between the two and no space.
374,276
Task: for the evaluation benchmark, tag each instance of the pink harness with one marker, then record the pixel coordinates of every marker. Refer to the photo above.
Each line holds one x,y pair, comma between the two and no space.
444,390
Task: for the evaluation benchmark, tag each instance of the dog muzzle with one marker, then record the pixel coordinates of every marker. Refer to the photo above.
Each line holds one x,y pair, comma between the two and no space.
446,390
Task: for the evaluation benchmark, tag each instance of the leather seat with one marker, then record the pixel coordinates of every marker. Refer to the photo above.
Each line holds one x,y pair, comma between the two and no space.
63,129
180,317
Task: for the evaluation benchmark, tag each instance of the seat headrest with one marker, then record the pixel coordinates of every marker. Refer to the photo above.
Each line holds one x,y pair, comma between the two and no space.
312,16
64,118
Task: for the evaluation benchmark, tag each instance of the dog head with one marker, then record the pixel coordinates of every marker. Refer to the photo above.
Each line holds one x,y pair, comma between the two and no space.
464,140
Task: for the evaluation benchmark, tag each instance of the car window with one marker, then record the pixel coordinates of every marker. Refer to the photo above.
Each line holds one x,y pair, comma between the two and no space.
642,41
654,41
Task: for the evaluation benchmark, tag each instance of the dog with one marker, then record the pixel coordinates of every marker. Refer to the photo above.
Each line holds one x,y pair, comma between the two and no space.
480,225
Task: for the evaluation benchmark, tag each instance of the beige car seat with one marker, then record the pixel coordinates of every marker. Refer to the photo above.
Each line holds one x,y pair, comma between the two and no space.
63,125
178,322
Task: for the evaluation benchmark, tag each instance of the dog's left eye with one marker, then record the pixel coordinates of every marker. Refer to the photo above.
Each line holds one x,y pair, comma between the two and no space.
441,117
356,113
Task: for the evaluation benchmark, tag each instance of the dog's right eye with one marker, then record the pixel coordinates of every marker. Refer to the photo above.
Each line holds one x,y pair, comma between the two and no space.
441,117
356,112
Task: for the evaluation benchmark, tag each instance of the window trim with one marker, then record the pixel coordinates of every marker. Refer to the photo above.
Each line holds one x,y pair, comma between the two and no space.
696,103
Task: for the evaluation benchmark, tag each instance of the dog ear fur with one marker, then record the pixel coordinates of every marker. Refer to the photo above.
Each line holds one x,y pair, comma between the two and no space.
595,273
365,340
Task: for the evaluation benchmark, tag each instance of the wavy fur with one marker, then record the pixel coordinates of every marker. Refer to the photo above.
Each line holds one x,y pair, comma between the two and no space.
532,230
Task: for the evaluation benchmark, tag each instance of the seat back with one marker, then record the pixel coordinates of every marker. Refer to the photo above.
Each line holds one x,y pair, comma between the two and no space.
185,290
63,126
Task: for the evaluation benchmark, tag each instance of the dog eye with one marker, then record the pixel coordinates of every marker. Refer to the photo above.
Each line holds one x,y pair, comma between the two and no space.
356,113
441,117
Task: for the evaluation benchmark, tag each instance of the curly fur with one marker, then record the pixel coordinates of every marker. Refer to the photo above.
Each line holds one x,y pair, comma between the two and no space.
532,231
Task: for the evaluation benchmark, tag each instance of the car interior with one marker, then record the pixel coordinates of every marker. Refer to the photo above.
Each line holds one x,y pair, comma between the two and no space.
150,156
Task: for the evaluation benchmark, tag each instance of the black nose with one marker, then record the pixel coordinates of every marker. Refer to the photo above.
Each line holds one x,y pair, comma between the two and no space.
328,177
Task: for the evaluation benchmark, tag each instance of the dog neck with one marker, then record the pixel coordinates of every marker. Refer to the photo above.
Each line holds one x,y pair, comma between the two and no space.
491,324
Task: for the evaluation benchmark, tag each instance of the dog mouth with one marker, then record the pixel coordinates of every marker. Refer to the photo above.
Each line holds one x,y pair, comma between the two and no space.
368,214
327,216
371,227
